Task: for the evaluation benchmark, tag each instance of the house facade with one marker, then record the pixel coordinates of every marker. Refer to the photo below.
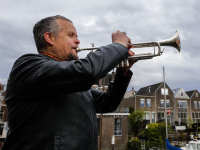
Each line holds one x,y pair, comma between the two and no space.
151,100
194,97
182,106
3,116
113,124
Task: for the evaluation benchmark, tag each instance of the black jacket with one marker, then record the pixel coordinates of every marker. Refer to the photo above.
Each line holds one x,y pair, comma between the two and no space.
51,104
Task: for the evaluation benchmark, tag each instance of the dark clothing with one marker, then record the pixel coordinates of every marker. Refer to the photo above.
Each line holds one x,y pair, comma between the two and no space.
51,105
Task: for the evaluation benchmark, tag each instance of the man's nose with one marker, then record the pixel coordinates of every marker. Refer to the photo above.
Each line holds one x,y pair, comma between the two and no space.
77,41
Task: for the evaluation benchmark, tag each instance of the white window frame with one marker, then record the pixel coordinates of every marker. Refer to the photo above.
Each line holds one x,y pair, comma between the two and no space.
153,117
161,103
178,104
166,91
147,116
193,116
167,101
195,105
149,105
141,103
117,127
162,116
183,114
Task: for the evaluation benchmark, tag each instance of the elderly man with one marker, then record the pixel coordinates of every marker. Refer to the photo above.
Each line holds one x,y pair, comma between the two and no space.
49,98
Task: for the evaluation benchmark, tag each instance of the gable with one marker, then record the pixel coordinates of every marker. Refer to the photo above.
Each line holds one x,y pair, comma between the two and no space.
180,93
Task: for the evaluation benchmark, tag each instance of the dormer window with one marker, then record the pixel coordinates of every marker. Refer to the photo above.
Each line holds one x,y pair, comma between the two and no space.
164,91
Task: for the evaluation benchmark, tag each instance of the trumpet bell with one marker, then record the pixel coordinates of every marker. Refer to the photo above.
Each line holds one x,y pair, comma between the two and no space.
174,42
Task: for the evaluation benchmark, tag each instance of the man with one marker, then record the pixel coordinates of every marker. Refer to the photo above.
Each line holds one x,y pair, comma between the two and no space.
49,98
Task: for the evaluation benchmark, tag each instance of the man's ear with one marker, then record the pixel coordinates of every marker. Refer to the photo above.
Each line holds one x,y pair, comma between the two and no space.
49,38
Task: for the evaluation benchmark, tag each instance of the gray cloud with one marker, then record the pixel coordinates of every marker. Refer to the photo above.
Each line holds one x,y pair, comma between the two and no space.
96,20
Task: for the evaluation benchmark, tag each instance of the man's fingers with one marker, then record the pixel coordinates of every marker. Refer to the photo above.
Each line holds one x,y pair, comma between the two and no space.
131,53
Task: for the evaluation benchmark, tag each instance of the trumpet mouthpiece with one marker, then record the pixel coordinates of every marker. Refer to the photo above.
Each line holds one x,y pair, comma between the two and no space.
78,49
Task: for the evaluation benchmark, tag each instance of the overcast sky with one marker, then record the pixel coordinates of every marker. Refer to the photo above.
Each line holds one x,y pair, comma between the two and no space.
143,21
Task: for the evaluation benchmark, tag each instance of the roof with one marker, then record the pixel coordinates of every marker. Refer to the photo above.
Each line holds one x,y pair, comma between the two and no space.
190,93
176,91
129,94
148,89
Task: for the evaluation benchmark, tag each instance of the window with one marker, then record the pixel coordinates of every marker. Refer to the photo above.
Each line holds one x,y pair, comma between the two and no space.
162,91
99,125
181,94
195,104
193,145
167,103
197,94
182,104
153,117
183,117
198,146
162,103
148,103
141,102
193,116
126,110
146,117
118,126
199,104
197,117
160,116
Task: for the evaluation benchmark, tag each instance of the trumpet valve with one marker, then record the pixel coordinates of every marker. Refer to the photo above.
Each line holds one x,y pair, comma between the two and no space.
126,62
121,64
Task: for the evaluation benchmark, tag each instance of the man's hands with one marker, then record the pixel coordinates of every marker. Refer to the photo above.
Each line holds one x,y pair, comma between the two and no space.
121,38
124,70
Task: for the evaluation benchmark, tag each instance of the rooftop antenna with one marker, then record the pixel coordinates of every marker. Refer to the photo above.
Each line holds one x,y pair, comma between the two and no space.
92,45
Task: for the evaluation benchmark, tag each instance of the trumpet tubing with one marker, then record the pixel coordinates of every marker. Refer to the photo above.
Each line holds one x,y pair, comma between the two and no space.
173,42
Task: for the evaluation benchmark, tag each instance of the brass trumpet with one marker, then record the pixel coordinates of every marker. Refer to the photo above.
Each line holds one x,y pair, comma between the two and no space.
173,42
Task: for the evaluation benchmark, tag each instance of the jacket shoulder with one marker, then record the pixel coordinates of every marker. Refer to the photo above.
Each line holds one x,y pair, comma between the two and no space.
27,64
30,57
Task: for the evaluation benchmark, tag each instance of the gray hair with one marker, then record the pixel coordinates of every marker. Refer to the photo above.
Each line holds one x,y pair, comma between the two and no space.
47,24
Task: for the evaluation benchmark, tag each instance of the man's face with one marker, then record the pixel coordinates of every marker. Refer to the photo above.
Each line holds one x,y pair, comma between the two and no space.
66,41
